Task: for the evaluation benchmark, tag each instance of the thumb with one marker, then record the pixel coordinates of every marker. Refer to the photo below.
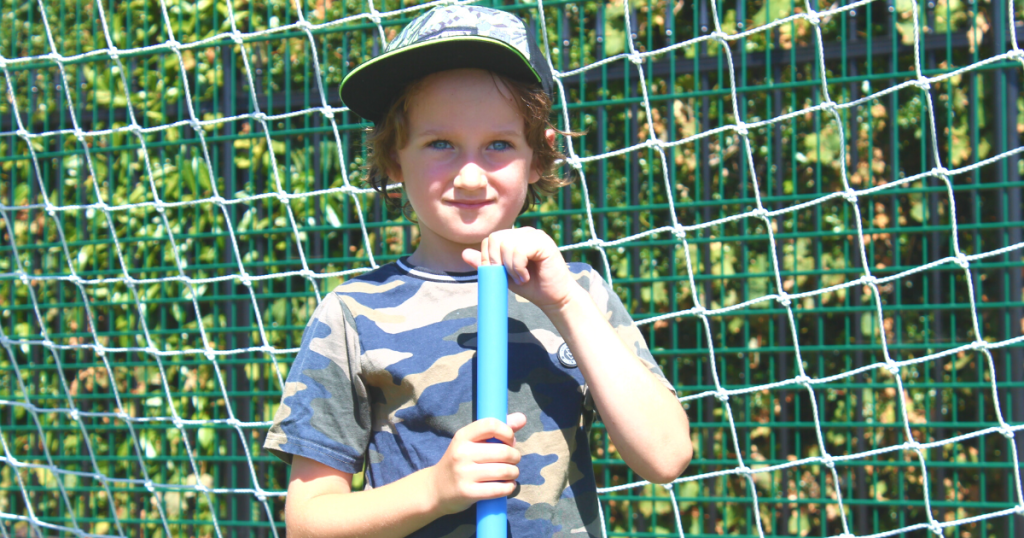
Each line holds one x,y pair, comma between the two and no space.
472,257
516,421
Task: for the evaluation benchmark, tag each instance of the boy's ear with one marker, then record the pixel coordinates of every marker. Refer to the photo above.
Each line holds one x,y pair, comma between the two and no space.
549,136
395,170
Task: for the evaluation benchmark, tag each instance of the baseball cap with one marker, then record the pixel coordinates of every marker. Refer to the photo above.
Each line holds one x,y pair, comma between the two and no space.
446,37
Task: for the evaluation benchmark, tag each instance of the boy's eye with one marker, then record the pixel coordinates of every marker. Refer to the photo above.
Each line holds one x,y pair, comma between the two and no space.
440,144
501,145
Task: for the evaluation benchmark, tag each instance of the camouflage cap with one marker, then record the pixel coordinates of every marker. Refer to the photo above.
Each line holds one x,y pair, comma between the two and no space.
446,37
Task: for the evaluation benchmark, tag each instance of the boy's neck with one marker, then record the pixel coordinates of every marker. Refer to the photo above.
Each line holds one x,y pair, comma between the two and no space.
441,258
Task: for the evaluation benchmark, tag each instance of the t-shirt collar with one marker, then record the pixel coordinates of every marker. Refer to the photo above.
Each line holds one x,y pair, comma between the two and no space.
437,276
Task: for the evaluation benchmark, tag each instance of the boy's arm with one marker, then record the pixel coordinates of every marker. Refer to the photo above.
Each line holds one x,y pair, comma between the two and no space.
321,503
644,419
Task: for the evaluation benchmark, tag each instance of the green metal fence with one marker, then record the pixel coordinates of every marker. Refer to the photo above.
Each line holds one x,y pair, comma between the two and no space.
813,210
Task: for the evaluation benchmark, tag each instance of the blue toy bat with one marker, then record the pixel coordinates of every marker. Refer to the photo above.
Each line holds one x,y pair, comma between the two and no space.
492,378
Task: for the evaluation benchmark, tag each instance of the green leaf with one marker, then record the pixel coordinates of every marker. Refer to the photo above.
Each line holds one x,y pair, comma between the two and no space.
205,436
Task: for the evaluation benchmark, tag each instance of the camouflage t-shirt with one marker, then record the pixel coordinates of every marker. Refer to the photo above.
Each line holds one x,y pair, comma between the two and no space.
385,375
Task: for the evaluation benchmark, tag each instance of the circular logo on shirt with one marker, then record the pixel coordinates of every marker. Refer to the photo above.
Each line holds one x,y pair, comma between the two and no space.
565,356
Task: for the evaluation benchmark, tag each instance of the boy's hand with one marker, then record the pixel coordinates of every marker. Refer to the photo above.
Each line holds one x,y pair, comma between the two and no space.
536,269
473,469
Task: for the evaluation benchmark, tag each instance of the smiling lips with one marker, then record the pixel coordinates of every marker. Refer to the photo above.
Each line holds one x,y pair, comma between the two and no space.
468,204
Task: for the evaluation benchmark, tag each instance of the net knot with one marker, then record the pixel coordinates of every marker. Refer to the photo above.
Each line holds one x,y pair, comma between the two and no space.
1006,431
575,162
148,484
236,36
922,83
941,171
893,369
304,25
827,461
112,52
741,129
722,396
719,36
3,62
22,133
962,261
219,200
246,281
23,277
174,45
679,231
760,213
636,58
259,116
784,299
813,18
307,273
73,415
260,496
935,528
327,112
802,379
850,195
979,345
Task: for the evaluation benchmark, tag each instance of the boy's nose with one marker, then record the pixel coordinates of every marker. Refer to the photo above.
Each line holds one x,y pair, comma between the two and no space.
471,177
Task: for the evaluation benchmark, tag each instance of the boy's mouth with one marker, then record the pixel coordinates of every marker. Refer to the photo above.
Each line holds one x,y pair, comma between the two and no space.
467,204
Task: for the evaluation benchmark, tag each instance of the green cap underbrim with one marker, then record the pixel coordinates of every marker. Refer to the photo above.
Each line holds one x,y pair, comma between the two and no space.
371,88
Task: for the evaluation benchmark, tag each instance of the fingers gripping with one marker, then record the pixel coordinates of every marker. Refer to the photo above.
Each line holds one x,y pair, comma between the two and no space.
473,469
488,428
513,249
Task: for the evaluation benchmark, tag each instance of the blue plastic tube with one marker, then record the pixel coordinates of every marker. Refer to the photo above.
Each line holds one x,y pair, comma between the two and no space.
492,378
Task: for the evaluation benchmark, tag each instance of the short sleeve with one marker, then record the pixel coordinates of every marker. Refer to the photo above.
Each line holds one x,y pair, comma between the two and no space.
324,413
622,323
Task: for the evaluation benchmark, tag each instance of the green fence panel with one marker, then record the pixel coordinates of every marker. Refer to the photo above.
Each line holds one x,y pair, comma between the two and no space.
813,211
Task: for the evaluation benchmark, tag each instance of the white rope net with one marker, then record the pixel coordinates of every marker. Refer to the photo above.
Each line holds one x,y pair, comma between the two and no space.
46,469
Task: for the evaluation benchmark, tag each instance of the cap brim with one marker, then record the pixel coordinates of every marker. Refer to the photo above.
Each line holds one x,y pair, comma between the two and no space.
371,87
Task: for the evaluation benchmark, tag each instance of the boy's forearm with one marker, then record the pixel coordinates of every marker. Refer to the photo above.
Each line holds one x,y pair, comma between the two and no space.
644,420
395,510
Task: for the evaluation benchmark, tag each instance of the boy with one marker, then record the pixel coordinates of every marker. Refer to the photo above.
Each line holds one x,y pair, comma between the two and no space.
385,372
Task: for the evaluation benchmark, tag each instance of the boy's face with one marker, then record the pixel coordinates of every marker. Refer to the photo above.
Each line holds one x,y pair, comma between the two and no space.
466,164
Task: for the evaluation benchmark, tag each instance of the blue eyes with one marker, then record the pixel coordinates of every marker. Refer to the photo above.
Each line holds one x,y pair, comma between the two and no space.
497,145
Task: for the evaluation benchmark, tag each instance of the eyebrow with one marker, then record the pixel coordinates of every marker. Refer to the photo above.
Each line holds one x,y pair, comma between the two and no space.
444,133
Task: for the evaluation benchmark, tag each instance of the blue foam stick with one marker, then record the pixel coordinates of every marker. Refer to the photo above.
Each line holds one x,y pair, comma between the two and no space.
492,378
